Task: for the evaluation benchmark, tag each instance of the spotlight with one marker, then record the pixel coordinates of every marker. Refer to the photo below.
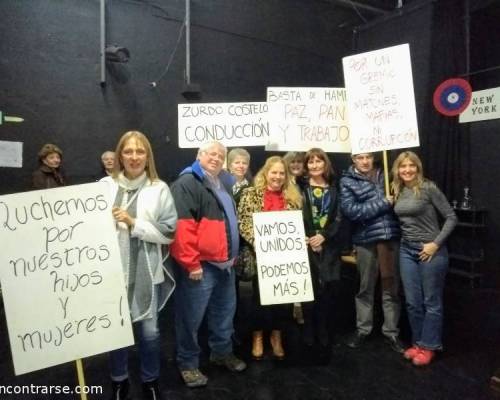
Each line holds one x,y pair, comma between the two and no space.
117,54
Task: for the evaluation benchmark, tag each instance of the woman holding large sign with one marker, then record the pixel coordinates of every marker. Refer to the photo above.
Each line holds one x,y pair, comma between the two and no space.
146,218
321,222
423,255
273,190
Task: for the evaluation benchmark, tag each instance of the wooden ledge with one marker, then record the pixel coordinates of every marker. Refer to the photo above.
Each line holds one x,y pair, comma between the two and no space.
349,259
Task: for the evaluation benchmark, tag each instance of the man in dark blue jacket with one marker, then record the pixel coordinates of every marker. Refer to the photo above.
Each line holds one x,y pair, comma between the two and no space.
376,239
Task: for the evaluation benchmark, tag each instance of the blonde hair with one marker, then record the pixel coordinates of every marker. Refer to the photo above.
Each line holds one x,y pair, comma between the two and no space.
397,184
150,161
290,191
294,156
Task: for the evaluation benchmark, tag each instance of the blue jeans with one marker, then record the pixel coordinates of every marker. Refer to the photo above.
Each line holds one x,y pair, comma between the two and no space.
215,296
423,284
148,337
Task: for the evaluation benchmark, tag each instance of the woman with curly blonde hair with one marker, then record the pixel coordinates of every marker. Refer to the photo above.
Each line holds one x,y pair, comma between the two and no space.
273,190
288,188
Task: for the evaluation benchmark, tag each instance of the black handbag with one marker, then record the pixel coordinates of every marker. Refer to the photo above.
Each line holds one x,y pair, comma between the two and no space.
246,263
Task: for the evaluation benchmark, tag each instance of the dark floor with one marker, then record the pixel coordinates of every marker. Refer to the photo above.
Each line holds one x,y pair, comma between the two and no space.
462,371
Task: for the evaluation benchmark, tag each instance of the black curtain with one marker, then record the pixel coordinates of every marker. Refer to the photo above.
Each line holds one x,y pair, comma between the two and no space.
435,32
445,142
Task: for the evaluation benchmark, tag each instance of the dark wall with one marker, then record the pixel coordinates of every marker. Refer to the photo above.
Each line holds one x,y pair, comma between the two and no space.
49,71
485,135
455,155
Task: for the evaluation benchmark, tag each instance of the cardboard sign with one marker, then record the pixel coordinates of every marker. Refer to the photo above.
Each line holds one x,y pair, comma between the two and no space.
232,124
61,276
303,118
11,154
282,261
485,104
380,99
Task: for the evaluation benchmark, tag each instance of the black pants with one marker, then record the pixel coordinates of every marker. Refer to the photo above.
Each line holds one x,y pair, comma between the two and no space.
270,317
318,313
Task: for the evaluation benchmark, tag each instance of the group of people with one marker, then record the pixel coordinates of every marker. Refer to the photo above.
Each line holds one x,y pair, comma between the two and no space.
190,235
398,237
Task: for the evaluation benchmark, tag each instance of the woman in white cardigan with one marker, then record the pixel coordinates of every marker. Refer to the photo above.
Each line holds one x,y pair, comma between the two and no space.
146,218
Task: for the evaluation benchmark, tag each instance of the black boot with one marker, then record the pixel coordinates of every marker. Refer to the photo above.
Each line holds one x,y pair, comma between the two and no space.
308,333
323,335
119,390
151,391
355,340
395,344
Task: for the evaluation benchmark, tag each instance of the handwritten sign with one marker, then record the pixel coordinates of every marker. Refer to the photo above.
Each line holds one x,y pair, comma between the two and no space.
61,276
282,262
484,104
380,100
303,118
232,124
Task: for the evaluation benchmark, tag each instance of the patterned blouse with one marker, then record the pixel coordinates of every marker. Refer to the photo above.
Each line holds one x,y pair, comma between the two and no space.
320,199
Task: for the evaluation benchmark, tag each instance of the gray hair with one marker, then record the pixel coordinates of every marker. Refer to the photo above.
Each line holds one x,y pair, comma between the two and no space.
206,146
107,152
237,152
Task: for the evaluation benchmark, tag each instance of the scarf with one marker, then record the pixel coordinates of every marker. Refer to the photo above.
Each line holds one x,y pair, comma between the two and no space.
239,185
126,199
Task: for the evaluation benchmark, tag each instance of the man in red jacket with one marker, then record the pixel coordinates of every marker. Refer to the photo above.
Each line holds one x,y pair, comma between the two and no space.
205,248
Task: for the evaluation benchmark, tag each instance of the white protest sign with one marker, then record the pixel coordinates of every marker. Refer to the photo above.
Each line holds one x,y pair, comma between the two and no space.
380,99
303,118
61,276
282,261
484,104
232,124
11,154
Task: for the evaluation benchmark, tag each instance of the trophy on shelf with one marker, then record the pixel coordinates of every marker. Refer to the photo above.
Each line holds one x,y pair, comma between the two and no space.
466,203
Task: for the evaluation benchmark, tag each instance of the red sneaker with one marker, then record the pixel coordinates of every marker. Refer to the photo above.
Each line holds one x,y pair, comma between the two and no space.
424,357
410,353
